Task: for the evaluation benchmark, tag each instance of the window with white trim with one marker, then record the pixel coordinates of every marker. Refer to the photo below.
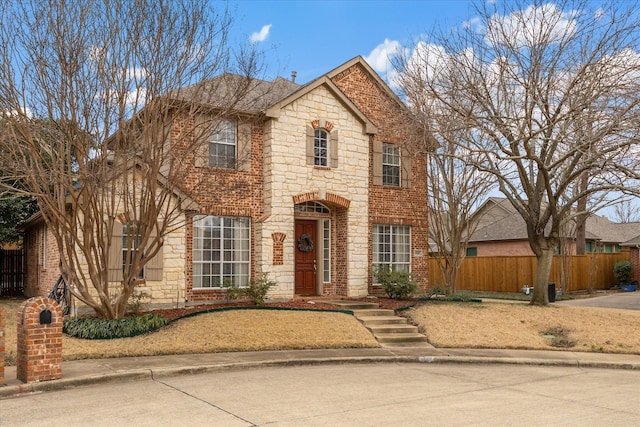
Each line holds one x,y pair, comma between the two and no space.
391,247
222,146
221,248
321,148
390,165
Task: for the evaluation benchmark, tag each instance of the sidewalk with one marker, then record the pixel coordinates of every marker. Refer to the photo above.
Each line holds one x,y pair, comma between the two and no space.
86,372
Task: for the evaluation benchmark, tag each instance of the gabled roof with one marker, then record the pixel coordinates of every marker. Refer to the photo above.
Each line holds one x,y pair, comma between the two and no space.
263,97
274,110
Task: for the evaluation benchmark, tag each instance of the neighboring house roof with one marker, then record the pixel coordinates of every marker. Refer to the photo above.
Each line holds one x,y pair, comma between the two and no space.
500,221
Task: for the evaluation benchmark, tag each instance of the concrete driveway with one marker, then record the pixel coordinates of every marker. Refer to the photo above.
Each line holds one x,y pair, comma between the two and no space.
623,300
402,394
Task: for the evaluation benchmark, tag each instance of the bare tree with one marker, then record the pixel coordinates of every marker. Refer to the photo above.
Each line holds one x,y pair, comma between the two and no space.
455,192
99,131
626,211
548,94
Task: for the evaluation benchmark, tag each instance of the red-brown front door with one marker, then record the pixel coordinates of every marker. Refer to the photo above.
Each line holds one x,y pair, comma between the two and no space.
305,249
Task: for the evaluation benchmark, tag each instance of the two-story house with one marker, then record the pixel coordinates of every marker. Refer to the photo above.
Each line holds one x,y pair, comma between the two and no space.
316,185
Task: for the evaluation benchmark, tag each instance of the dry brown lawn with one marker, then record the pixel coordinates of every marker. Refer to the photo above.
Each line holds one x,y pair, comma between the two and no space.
242,330
472,325
521,326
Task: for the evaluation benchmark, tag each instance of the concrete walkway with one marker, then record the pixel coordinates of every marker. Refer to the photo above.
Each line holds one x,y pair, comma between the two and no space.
621,300
86,372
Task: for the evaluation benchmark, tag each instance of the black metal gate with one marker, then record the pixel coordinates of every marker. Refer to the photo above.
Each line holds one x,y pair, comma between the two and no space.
11,272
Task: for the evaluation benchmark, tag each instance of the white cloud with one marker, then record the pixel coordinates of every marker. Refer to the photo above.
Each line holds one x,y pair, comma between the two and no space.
380,56
600,13
261,35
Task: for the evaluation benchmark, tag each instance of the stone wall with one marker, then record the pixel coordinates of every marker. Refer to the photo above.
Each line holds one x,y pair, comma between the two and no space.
287,175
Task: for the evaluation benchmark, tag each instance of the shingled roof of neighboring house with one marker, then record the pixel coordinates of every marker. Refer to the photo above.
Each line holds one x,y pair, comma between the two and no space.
509,225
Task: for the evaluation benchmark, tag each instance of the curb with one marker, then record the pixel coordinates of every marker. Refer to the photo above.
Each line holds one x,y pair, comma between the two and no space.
155,374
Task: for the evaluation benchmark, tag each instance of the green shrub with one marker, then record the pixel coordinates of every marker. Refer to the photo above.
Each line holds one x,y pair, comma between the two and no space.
98,329
258,288
438,290
396,284
622,272
233,292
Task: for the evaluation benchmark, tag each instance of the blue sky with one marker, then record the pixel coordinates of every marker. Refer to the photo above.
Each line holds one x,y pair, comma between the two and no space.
313,37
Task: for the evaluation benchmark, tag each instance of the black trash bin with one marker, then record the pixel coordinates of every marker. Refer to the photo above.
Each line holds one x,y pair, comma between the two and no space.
552,292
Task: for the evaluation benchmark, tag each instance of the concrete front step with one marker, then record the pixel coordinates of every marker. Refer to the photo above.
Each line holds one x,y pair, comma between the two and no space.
402,338
382,320
373,312
392,329
388,329
353,305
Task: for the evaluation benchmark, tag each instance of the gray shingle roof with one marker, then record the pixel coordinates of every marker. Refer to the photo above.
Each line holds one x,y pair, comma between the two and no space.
513,227
223,92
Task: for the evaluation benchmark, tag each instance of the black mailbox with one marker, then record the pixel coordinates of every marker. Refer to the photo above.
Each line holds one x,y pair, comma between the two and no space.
45,317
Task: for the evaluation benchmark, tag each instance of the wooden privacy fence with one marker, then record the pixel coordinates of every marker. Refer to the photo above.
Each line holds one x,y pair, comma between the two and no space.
511,273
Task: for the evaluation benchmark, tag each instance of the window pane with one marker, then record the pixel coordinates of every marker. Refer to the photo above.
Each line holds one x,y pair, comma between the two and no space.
392,247
326,256
390,165
222,146
320,147
221,250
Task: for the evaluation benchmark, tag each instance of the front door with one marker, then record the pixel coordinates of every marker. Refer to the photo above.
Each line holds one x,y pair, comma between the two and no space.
305,248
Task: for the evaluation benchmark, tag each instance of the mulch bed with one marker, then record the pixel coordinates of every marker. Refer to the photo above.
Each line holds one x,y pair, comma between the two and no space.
298,303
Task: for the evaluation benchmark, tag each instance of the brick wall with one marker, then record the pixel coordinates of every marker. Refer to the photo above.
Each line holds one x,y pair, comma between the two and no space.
221,192
42,263
39,356
389,205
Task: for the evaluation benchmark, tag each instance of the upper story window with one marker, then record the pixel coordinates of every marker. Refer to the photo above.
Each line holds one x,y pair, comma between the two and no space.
390,165
222,146
321,148
322,144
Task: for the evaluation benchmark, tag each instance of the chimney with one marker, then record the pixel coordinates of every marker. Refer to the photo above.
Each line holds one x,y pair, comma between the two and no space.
293,76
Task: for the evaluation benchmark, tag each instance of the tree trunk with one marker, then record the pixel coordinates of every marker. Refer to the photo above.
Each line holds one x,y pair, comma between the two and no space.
541,282
581,220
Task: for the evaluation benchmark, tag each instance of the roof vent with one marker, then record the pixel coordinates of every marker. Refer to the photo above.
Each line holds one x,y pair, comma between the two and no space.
293,76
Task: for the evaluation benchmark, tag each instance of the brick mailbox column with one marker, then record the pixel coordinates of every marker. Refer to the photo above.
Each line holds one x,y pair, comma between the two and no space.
39,355
3,325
